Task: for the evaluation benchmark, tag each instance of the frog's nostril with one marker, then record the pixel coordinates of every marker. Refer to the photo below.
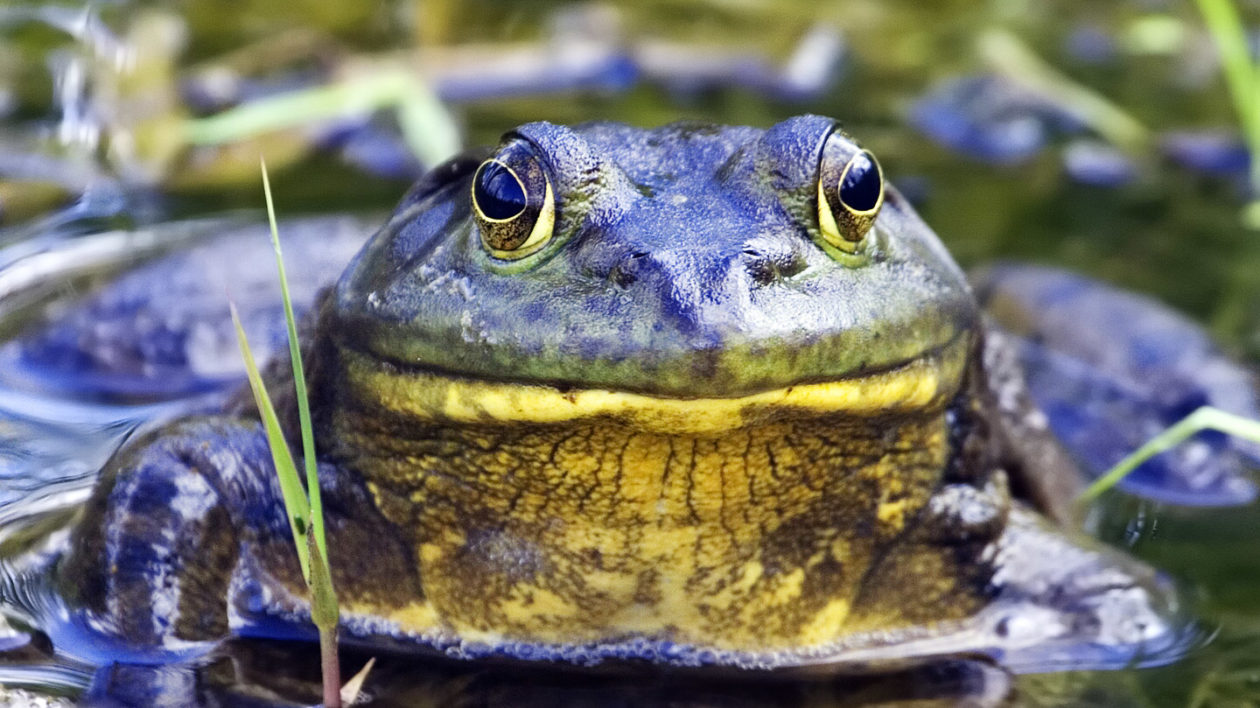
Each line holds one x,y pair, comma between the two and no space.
622,277
625,273
769,267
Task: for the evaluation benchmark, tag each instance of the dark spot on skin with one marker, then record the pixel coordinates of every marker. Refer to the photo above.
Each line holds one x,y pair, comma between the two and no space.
621,277
593,556
626,272
762,270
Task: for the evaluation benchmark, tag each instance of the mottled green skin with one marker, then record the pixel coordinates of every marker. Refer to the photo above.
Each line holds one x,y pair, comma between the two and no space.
686,261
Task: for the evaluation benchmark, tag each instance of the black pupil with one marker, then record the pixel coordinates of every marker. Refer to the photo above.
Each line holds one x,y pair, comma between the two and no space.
859,190
499,194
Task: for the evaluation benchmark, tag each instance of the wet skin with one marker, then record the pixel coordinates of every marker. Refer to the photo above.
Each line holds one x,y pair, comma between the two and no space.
694,395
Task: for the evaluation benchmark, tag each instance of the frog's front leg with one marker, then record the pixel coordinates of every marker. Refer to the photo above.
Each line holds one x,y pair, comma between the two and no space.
186,539
153,559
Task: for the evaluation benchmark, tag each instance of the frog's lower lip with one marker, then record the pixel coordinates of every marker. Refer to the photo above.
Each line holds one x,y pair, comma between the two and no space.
925,382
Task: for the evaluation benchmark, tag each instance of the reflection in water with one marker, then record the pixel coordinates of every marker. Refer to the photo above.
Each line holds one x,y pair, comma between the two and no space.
271,674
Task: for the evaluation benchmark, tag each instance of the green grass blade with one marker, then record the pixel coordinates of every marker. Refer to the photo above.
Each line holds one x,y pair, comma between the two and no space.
325,614
299,382
1227,30
1205,418
295,502
1012,58
428,127
324,609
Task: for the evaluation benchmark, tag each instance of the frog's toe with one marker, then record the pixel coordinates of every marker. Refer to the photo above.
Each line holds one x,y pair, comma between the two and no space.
1063,603
1112,369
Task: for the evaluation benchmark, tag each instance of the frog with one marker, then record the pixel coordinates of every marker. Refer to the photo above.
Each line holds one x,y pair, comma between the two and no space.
698,397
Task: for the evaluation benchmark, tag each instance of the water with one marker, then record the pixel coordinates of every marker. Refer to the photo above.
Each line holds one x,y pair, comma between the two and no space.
75,144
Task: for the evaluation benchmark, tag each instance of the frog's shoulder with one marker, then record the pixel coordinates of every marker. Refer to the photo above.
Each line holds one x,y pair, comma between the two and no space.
1017,436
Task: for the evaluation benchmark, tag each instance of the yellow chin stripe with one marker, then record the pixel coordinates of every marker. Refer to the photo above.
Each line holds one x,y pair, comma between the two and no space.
926,382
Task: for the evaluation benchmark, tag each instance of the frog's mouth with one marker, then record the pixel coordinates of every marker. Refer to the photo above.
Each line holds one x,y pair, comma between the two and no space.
926,382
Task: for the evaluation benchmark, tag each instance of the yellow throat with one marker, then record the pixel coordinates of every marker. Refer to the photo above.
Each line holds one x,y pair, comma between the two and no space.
762,521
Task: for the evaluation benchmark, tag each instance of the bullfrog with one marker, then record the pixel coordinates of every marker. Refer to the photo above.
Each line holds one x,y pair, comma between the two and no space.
695,396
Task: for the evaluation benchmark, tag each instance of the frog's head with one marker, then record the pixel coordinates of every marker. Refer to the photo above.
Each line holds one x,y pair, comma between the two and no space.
691,278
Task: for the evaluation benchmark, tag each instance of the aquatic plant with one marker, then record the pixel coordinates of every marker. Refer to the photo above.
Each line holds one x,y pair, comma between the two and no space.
1242,77
1205,418
427,126
304,507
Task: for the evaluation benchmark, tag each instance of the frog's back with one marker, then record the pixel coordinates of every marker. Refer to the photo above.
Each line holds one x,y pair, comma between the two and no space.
1112,369
161,329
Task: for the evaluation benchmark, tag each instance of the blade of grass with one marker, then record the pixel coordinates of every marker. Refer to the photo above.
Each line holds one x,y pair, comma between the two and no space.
1205,418
1011,57
295,501
325,612
1230,35
299,380
428,127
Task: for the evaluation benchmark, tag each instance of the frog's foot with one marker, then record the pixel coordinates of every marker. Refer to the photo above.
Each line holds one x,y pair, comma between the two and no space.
1112,369
163,329
1067,602
1059,603
186,540
152,561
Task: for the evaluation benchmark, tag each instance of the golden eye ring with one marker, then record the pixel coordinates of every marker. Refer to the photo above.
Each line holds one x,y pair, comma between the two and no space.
850,193
513,203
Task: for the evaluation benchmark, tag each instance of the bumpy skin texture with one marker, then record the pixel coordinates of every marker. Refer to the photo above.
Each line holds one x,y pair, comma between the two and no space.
685,262
685,430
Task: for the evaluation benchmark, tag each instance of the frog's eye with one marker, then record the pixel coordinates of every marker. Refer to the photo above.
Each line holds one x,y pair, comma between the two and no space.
513,202
850,193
